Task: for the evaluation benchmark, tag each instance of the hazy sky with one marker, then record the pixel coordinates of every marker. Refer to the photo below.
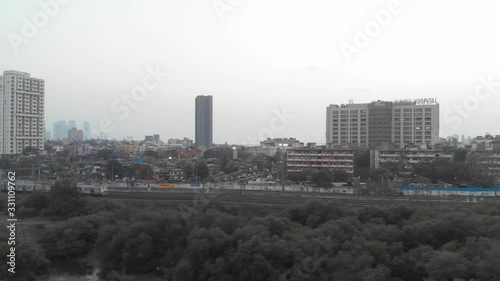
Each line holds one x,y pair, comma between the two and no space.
255,57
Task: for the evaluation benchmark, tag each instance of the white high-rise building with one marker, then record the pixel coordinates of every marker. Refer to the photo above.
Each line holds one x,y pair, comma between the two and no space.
415,123
382,123
22,112
347,123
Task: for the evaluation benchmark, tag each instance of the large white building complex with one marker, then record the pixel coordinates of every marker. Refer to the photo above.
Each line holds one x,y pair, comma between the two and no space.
22,112
381,123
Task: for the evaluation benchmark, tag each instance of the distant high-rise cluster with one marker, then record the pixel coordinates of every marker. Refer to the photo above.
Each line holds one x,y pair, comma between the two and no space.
204,121
381,122
62,129
87,133
152,138
22,112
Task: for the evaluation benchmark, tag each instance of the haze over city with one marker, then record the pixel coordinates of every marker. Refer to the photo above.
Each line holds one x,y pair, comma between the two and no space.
249,140
255,59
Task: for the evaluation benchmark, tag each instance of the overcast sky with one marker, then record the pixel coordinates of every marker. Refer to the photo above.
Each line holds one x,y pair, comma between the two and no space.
256,58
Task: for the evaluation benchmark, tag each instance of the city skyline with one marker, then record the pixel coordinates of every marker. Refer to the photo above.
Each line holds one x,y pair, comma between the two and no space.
61,127
250,140
349,103
253,64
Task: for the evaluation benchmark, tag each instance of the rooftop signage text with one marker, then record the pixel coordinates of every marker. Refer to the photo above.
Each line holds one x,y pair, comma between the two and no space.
420,101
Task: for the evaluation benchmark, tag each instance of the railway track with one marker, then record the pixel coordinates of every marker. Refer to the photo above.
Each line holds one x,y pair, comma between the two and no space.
282,199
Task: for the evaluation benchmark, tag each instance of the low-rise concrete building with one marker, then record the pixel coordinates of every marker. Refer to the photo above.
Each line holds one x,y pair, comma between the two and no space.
298,159
487,160
271,146
408,157
486,143
75,135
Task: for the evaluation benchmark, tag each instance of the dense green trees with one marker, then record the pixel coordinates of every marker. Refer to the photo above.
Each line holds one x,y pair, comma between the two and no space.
227,165
114,168
202,170
153,154
140,171
145,172
304,175
319,240
322,178
454,172
263,161
188,170
460,155
362,164
29,151
5,163
64,200
218,152
198,170
30,259
105,154
71,239
28,163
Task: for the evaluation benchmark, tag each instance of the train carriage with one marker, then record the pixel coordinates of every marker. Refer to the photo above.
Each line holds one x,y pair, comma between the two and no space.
439,191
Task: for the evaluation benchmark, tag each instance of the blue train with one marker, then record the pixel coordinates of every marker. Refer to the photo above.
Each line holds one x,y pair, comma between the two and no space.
470,191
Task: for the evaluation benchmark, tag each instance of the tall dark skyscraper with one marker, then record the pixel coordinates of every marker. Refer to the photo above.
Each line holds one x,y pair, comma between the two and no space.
204,120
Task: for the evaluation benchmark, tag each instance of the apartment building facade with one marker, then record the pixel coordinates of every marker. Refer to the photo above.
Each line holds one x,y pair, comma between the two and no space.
347,123
410,157
414,123
22,112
